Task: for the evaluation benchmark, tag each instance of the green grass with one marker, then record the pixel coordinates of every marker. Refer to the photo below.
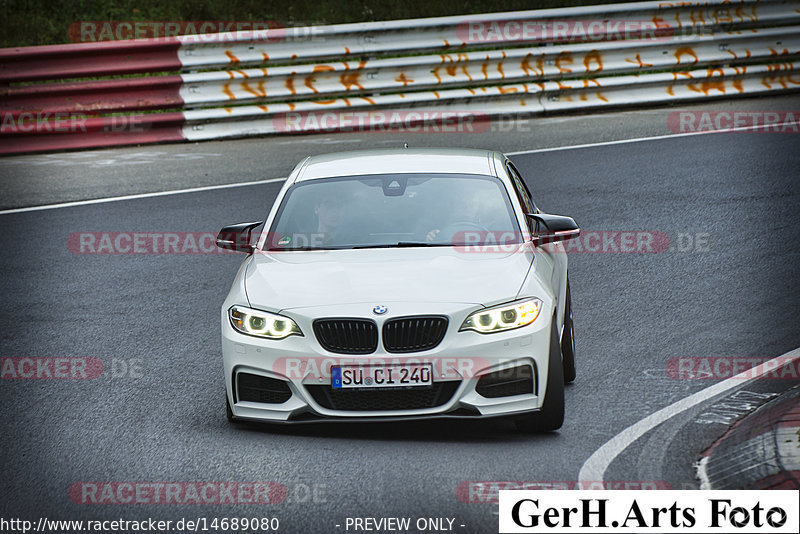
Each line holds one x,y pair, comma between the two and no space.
40,22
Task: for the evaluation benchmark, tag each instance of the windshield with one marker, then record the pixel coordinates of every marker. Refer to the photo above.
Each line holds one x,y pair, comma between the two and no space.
394,211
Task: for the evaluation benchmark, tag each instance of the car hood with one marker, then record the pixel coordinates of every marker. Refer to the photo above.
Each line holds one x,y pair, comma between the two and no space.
290,280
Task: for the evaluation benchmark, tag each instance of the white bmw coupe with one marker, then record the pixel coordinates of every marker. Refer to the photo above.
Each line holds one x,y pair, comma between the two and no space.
400,284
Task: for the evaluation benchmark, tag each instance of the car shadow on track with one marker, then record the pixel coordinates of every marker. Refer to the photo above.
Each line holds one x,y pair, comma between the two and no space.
441,431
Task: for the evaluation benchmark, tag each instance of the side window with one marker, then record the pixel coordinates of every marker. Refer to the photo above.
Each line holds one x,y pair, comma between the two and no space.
520,183
523,194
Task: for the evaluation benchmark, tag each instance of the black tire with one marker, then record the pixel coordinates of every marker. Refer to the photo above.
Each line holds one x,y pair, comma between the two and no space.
568,341
551,415
228,411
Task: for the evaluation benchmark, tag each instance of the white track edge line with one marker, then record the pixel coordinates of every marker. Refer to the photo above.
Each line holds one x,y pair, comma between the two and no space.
519,153
652,138
139,195
594,468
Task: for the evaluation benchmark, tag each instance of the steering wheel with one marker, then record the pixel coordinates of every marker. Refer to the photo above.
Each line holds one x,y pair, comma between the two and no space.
451,231
466,225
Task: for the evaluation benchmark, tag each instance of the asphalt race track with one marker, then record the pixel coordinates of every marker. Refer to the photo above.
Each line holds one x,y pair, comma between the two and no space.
726,287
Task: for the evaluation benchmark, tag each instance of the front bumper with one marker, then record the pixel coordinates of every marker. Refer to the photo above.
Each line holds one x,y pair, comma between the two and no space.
459,362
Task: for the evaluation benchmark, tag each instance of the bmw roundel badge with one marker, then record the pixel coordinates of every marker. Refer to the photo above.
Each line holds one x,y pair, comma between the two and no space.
379,310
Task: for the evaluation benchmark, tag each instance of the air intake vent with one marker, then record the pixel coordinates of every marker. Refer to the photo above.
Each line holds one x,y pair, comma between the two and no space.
506,383
256,388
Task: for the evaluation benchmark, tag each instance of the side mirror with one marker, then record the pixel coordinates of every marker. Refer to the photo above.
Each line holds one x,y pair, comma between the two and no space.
236,237
555,228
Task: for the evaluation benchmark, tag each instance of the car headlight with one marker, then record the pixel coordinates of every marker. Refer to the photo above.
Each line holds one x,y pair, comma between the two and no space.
502,318
262,324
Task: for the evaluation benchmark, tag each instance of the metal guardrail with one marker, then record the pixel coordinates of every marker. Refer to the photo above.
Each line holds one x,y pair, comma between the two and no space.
330,78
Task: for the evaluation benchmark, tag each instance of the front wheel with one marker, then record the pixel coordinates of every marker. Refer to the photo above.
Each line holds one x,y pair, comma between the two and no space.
551,415
568,341
228,411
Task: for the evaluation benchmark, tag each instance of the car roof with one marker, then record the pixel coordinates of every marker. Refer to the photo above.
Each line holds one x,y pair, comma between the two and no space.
400,160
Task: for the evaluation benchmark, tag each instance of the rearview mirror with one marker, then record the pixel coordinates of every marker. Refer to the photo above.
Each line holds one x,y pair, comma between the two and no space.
554,228
236,237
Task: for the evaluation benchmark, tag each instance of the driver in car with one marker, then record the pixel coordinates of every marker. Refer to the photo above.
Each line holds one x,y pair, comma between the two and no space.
331,222
465,216
340,221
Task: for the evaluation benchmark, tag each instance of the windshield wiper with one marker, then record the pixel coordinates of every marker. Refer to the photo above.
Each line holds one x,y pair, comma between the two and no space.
420,244
305,247
399,244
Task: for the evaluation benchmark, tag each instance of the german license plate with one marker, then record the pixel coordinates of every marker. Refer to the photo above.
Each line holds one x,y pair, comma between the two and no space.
381,376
